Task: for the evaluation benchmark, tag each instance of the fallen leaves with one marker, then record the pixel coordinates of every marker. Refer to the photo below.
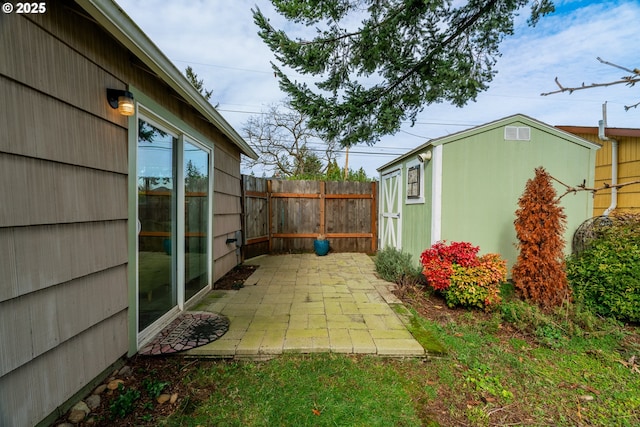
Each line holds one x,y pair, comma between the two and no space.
631,364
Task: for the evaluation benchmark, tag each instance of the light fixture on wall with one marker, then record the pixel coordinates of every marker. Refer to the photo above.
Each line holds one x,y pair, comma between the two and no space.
423,157
121,100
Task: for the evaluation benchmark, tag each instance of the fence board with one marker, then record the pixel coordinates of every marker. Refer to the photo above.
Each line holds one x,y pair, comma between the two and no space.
286,216
255,218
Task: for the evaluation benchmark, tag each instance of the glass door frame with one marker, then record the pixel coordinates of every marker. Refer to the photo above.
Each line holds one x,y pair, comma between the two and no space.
178,254
186,139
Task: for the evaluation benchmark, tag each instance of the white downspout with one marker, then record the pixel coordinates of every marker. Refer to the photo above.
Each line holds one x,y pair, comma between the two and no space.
614,160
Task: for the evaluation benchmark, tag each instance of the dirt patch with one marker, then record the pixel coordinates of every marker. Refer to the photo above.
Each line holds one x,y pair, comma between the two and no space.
152,380
235,278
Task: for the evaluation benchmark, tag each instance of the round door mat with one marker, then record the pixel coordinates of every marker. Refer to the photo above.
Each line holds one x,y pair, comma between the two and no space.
189,330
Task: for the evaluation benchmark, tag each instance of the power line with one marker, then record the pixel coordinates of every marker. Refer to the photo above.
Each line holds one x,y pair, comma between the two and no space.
417,123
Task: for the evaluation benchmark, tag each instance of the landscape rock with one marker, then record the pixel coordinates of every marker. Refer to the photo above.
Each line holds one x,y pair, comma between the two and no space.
81,406
125,371
100,389
163,398
93,401
76,416
113,385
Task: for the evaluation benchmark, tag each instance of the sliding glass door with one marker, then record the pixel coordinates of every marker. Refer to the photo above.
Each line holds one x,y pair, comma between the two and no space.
174,216
196,218
157,223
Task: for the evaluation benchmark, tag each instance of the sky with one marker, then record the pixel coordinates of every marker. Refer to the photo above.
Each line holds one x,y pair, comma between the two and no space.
219,40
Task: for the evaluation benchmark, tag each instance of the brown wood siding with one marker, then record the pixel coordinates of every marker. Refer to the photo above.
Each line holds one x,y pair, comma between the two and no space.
51,193
33,119
63,165
49,255
63,217
628,170
48,380
42,320
227,211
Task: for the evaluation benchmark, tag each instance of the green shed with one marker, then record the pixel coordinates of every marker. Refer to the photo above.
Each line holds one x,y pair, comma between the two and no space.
465,186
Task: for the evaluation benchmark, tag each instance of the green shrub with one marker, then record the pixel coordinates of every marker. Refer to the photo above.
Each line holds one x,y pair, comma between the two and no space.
125,403
553,328
396,266
153,386
605,277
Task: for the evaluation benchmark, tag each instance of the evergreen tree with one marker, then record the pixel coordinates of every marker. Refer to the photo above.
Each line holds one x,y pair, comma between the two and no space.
197,83
404,55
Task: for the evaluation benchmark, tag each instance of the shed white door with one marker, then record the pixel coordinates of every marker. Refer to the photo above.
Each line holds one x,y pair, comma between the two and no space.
391,222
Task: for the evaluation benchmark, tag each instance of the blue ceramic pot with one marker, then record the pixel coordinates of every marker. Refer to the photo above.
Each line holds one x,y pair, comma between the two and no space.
166,245
321,247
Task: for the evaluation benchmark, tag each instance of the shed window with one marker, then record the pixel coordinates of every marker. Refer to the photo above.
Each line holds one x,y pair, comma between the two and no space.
413,182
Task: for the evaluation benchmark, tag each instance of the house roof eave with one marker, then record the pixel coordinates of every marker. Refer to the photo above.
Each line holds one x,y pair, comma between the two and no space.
108,14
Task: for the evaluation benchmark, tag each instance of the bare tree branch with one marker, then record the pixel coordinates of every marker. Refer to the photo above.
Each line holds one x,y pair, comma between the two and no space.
629,70
285,144
624,80
629,80
583,187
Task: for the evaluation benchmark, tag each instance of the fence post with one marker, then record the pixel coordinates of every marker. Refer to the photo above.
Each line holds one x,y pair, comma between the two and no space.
270,216
323,202
374,217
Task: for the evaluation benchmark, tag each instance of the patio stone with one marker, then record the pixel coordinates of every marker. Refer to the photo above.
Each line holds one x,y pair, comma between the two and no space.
362,341
273,342
317,321
250,342
340,341
349,308
219,348
307,333
305,303
398,334
372,308
298,345
332,307
397,347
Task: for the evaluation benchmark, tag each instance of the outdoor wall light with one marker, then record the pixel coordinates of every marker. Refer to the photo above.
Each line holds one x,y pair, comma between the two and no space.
423,157
121,100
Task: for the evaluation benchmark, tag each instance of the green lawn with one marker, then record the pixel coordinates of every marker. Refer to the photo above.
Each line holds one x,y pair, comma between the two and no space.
493,374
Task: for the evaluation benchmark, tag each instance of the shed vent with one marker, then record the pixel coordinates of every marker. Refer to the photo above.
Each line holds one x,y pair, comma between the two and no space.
517,133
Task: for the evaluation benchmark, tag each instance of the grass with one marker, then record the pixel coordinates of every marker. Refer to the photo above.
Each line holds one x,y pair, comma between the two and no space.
302,390
563,369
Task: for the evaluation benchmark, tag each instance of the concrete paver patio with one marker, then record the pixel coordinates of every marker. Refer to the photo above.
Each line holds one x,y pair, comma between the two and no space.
305,303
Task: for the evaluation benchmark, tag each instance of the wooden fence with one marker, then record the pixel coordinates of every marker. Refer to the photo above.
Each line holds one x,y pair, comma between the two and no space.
286,216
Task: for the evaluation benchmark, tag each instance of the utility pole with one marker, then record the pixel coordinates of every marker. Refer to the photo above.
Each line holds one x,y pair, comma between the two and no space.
346,165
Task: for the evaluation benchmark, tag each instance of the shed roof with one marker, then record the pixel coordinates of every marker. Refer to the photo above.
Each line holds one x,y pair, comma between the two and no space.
108,14
560,133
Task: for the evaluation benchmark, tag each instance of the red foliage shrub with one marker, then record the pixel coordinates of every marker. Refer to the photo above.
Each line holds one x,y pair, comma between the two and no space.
438,260
464,278
477,286
539,272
